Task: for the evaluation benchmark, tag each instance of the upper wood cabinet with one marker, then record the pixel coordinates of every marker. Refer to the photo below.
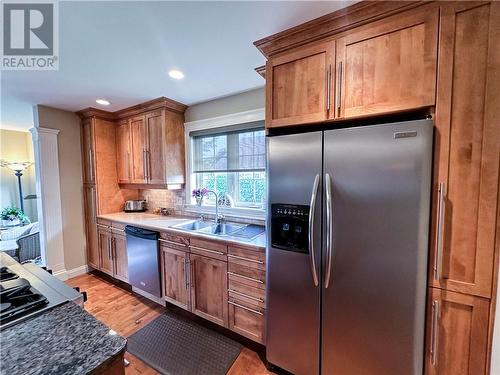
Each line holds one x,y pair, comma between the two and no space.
467,139
299,86
155,124
155,144
123,144
457,334
88,151
138,149
388,66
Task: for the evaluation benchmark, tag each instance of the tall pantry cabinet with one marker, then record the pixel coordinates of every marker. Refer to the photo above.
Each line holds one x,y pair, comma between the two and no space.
434,58
101,191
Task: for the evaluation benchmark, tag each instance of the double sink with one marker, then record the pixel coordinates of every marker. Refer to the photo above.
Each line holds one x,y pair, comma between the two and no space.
241,231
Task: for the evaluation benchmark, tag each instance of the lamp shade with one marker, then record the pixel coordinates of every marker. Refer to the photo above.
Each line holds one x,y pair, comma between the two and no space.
18,165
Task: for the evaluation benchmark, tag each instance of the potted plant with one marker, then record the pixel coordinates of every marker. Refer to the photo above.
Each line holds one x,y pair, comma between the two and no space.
12,216
199,194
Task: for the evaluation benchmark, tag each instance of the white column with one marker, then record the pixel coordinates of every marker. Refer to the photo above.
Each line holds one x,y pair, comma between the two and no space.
48,191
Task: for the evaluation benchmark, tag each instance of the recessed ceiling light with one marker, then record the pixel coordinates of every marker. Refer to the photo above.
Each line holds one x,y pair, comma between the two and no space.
103,102
176,74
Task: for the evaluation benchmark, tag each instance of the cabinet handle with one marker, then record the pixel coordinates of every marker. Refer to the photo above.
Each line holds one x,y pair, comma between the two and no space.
110,256
114,248
148,164
128,165
245,259
435,331
245,277
247,296
171,242
439,235
338,94
328,86
144,164
209,251
186,273
103,226
245,308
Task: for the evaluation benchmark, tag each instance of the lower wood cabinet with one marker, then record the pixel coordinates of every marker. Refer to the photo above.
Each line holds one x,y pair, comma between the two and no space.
208,281
106,259
112,252
223,284
175,282
457,333
119,253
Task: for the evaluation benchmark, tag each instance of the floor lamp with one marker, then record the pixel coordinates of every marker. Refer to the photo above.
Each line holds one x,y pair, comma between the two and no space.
18,168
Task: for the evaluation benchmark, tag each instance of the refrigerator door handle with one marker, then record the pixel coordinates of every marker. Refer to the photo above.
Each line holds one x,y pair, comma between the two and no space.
312,255
329,229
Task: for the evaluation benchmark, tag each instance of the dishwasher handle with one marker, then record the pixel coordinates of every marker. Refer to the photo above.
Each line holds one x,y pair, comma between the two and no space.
141,233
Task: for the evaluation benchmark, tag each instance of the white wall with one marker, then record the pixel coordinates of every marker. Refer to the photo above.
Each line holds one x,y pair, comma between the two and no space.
71,183
245,101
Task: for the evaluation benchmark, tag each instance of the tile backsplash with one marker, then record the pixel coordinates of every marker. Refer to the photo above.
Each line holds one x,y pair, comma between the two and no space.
157,198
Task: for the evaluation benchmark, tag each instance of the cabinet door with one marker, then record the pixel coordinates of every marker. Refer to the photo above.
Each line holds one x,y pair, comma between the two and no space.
138,148
90,225
466,149
209,288
123,151
457,334
155,138
175,278
298,86
246,319
88,152
105,251
388,66
119,254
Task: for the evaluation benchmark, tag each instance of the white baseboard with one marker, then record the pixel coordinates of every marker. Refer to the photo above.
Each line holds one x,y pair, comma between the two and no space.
68,274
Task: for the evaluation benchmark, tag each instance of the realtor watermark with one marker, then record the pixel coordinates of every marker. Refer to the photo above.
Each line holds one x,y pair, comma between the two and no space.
30,39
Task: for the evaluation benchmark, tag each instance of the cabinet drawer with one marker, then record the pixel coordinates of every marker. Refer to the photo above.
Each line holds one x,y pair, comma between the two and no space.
253,258
246,319
209,245
249,276
103,223
118,228
246,293
174,242
174,238
215,254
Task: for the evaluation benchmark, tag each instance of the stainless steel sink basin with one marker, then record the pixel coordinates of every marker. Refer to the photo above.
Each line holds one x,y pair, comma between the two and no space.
193,225
223,229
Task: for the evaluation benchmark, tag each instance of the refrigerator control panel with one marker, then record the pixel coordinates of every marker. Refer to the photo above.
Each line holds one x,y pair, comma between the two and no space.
290,227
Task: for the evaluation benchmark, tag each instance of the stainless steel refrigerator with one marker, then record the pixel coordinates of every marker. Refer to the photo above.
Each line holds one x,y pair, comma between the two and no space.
347,249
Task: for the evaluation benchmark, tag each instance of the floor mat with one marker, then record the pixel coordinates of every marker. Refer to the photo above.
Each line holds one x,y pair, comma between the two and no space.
174,345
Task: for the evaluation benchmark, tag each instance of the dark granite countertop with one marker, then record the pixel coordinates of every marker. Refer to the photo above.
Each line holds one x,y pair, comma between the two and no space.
63,340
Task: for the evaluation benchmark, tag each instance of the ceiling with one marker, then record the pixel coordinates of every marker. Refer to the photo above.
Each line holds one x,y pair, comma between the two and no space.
121,51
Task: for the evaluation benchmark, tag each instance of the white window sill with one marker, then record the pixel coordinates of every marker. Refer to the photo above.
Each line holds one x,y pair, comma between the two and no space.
243,213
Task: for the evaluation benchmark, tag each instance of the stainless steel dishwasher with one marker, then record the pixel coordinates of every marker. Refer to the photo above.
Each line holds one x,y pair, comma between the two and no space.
143,264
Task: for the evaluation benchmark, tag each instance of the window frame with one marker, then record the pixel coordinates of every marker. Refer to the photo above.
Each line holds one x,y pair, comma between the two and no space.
209,124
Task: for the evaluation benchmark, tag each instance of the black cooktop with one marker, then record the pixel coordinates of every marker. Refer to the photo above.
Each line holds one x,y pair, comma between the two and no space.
18,297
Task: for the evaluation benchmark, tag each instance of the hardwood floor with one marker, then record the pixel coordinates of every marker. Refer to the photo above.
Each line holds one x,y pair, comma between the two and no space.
126,313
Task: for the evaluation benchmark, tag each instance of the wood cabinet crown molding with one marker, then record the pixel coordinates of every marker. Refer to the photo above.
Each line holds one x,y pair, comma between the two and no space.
331,24
261,70
151,105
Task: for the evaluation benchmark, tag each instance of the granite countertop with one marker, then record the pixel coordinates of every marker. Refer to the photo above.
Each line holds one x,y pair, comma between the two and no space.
63,340
165,223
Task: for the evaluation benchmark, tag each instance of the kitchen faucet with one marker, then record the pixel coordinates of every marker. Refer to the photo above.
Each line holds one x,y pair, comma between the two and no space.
218,218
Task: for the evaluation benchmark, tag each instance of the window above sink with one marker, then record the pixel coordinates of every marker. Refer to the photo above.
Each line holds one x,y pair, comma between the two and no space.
227,154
